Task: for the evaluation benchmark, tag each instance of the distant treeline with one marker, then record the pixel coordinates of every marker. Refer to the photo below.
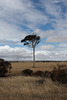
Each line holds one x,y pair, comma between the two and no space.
35,61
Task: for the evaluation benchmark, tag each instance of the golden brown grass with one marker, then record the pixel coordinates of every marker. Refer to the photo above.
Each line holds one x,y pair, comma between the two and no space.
44,66
27,88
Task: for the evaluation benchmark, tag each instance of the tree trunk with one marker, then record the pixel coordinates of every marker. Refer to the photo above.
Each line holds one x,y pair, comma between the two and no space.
33,57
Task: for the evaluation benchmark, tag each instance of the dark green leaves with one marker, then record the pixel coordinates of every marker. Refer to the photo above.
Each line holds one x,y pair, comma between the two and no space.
31,40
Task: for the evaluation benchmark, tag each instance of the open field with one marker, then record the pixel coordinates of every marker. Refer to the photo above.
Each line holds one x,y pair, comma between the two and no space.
28,88
17,67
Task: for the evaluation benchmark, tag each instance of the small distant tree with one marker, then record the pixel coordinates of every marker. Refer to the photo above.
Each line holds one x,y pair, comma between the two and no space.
31,41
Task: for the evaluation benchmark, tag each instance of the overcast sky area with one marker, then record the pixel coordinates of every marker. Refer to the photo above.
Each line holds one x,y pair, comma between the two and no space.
48,18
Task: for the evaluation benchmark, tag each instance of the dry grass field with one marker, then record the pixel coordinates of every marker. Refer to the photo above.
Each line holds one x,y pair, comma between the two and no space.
17,67
27,88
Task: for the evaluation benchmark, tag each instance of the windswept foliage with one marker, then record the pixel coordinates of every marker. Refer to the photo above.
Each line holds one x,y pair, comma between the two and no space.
60,74
31,40
5,67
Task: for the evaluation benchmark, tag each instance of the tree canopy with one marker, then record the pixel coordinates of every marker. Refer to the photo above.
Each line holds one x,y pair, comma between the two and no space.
31,40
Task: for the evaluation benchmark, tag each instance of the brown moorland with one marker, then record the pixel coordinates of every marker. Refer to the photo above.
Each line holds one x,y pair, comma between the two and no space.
17,67
28,88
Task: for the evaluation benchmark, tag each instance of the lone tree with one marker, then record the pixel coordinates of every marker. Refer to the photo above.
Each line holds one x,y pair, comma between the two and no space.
31,41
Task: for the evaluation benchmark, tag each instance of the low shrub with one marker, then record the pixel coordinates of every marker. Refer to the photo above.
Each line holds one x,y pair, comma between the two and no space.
5,67
59,75
40,81
39,73
27,72
48,74
63,66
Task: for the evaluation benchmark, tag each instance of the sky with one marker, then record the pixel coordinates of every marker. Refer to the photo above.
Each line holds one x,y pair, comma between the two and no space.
46,18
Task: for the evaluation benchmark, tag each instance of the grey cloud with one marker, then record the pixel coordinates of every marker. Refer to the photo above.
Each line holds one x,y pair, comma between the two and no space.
52,8
63,45
7,42
59,34
17,53
57,38
55,54
10,32
46,47
22,11
43,34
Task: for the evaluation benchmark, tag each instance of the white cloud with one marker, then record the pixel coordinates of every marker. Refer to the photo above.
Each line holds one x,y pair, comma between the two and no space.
43,34
64,2
23,12
60,32
18,53
14,14
51,7
63,45
10,32
56,54
58,19
46,47
57,38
